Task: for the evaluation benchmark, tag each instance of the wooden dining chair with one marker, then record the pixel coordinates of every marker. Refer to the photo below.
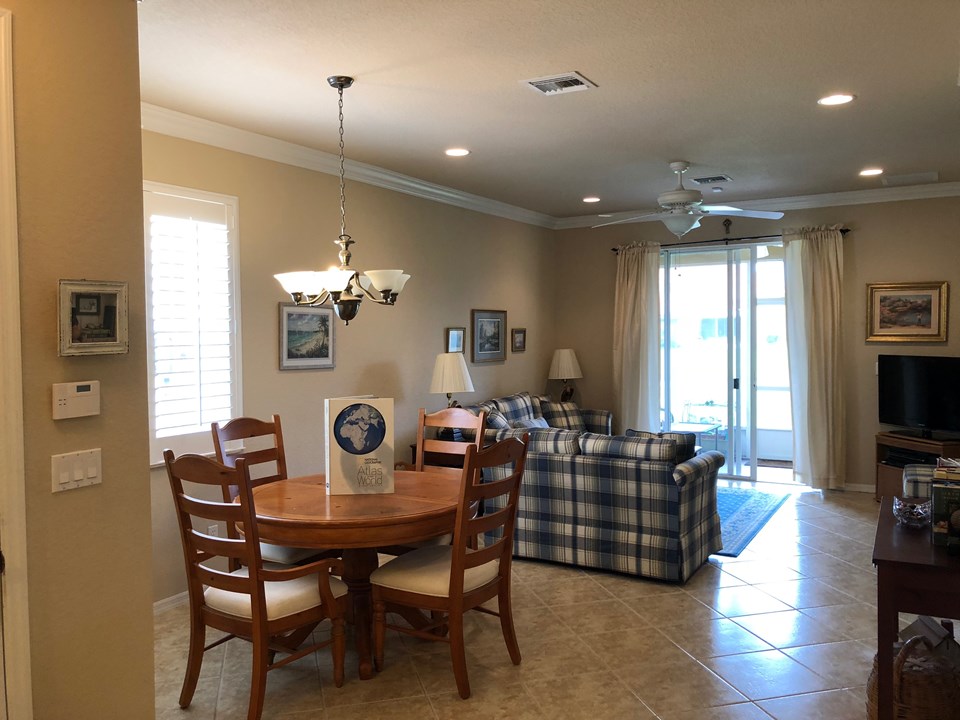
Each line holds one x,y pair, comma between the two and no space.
261,432
447,419
276,609
448,580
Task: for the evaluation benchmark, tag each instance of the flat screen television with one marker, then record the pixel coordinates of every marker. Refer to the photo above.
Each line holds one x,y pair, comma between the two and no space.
921,392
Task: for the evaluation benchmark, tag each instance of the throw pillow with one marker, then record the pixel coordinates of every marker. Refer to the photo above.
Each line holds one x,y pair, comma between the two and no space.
549,440
530,423
516,407
563,415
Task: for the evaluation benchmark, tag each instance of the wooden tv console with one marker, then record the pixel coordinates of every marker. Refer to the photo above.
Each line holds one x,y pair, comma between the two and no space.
889,478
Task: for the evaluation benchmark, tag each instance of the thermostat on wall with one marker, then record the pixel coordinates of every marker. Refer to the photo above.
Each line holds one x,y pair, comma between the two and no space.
76,399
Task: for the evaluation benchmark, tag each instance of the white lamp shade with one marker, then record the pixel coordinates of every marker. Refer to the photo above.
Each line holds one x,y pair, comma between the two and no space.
400,283
681,224
450,374
384,279
307,282
336,280
564,365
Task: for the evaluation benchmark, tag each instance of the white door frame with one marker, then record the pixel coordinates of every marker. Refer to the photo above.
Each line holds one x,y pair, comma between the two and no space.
13,529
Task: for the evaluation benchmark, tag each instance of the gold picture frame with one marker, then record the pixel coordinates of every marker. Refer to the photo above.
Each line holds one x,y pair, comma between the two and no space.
907,312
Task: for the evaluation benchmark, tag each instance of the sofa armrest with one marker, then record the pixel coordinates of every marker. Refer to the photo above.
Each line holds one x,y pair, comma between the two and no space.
706,465
598,421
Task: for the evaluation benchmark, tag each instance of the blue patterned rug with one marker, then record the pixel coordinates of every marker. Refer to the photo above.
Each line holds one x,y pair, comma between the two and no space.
743,513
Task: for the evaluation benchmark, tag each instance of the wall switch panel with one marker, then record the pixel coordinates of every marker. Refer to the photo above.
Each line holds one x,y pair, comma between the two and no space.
76,469
76,399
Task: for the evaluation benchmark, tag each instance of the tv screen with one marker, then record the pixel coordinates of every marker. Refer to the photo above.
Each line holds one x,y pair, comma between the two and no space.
919,391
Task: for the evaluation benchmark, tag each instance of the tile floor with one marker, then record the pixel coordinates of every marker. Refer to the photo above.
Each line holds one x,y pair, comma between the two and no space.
787,630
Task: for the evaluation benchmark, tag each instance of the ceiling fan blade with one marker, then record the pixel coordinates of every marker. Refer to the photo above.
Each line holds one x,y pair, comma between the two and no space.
728,210
632,218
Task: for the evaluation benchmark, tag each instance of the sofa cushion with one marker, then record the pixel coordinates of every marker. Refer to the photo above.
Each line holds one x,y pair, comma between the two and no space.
686,442
530,423
538,401
563,415
629,448
516,407
549,440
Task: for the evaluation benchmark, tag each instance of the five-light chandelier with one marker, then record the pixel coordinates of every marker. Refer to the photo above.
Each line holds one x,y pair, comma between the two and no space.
345,286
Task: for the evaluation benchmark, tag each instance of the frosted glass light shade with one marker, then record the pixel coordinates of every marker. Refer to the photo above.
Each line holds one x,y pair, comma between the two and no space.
307,282
680,225
450,374
384,279
336,280
564,365
400,283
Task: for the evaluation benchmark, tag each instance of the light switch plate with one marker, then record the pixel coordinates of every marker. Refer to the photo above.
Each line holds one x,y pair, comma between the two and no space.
75,470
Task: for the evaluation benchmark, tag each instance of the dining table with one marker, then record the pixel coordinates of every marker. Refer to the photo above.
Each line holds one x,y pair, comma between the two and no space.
298,512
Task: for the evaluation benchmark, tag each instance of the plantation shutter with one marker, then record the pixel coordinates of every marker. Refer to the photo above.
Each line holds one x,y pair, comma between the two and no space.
192,318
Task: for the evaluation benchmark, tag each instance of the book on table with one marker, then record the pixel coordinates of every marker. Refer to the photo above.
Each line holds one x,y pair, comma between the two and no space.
359,445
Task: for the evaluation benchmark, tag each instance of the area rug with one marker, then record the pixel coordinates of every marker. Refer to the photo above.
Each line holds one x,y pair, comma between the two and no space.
743,513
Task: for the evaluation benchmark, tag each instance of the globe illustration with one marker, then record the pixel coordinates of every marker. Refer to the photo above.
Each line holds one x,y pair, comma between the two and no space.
359,429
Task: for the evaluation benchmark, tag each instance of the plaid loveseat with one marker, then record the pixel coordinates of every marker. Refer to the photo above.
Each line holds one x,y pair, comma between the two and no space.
616,503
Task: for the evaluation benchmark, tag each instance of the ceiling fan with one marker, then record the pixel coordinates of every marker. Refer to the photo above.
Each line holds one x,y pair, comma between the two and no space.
681,209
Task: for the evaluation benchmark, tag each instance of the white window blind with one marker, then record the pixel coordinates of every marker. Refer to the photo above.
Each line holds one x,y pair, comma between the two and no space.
192,316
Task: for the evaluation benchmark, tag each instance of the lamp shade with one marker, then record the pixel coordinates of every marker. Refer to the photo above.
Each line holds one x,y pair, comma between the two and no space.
681,224
450,374
564,365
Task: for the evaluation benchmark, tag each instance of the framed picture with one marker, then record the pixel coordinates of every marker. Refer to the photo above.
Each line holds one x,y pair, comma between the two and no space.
518,338
88,304
453,339
306,337
489,335
907,312
93,318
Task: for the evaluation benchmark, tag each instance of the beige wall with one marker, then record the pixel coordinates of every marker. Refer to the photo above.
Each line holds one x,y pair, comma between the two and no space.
77,121
890,242
458,260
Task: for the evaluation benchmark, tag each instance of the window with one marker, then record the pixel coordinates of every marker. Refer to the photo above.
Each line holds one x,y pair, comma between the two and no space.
193,316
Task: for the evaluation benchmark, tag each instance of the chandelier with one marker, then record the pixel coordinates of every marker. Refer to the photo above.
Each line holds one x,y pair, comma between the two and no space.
344,286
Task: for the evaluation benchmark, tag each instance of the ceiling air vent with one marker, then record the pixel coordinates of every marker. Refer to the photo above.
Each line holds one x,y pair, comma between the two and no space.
557,84
921,178
712,180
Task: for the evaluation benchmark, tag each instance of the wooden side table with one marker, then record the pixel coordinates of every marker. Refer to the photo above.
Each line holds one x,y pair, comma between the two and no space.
913,576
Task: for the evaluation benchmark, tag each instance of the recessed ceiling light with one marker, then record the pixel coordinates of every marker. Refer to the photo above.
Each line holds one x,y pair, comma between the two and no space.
867,172
604,215
591,199
838,99
457,152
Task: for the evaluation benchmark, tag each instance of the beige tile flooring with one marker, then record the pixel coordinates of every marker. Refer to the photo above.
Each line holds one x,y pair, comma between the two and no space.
787,630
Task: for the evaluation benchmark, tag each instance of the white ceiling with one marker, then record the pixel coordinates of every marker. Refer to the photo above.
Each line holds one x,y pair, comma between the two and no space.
730,86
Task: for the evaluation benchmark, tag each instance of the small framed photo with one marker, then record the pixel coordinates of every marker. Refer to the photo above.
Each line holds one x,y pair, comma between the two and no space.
518,339
306,337
489,329
907,312
453,339
93,318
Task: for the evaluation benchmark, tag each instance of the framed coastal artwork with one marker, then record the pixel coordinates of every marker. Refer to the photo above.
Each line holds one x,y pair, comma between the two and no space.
907,312
453,338
489,329
306,337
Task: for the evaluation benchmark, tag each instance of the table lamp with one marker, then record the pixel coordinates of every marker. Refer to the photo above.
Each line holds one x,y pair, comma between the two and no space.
450,375
565,367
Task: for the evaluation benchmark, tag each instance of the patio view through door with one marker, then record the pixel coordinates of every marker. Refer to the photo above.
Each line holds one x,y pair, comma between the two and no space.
724,356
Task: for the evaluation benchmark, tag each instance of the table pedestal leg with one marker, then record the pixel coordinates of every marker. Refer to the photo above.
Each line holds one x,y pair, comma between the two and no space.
358,563
887,627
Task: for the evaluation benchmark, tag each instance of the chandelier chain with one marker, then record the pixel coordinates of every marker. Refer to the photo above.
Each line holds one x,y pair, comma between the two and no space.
343,212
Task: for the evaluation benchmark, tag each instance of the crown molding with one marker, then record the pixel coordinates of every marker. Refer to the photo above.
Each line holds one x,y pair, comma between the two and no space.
188,127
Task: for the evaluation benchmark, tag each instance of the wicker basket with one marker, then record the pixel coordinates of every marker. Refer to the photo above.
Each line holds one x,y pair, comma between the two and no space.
925,686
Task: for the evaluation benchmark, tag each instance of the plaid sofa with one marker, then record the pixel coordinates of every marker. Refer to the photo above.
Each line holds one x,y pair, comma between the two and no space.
616,503
523,408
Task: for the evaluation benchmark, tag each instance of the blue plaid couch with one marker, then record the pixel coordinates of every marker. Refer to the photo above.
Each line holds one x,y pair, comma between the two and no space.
616,503
526,410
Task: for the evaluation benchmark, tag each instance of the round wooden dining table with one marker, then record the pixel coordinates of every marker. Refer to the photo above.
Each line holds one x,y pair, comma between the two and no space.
299,512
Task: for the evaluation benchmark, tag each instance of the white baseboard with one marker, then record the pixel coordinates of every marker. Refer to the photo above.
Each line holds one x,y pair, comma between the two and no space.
171,602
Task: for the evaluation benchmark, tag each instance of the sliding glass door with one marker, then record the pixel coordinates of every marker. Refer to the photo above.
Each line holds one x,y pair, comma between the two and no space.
724,356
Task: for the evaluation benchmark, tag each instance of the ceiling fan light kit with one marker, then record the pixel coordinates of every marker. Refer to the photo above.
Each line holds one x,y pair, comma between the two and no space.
681,209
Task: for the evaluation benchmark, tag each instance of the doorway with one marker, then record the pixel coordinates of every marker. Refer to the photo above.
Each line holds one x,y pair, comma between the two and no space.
724,356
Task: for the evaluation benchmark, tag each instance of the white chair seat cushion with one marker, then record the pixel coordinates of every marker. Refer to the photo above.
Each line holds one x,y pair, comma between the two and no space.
285,555
426,571
283,598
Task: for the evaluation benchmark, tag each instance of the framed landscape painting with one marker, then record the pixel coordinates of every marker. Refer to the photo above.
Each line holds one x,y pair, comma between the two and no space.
306,337
907,312
518,339
489,335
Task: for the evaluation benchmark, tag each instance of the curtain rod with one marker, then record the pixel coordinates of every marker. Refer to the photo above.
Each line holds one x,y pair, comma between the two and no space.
726,241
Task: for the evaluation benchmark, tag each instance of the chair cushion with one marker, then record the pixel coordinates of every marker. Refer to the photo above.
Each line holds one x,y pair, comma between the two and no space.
619,446
283,598
686,442
427,571
563,415
285,555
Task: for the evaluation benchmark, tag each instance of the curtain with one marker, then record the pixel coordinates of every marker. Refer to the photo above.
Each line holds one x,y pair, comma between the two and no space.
814,268
636,337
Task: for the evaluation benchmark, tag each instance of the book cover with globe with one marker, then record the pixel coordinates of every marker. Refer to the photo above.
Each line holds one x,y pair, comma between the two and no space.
359,452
